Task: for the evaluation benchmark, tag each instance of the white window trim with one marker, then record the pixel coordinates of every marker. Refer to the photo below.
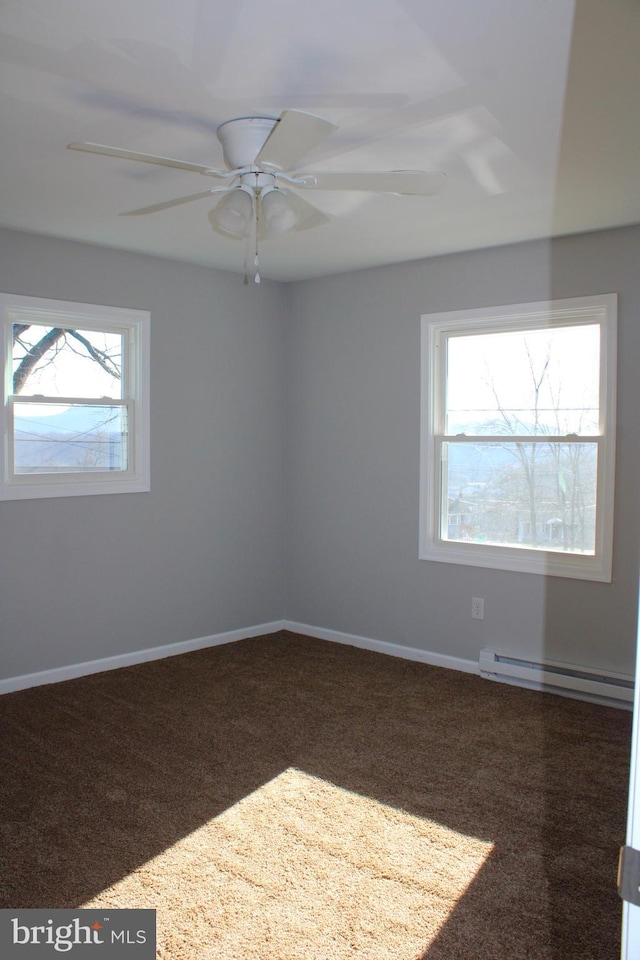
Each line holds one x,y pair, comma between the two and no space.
134,326
435,330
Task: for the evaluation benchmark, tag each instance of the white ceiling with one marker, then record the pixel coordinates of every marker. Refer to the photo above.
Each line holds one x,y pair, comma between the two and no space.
529,106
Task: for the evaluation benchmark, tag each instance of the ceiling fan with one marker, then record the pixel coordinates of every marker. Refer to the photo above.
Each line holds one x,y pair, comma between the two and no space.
259,198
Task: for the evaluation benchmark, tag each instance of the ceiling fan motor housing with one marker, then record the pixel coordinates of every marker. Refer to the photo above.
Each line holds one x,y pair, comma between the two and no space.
243,138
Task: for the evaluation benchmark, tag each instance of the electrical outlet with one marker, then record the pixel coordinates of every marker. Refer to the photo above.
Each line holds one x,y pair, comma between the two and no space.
477,608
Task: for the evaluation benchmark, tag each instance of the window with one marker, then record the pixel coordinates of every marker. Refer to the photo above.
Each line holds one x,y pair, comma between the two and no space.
518,437
75,415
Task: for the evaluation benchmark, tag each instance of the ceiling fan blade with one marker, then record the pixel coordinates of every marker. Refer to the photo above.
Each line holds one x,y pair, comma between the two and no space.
410,182
292,137
307,215
344,101
145,158
167,204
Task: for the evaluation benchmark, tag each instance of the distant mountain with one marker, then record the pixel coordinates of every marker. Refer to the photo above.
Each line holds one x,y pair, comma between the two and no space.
79,438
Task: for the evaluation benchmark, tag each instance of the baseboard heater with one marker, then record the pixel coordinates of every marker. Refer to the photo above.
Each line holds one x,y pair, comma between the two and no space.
556,677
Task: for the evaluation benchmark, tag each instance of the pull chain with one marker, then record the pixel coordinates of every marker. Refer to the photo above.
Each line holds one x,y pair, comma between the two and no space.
245,267
253,226
257,227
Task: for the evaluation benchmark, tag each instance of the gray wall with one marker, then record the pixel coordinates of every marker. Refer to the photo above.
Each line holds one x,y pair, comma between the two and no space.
304,395
353,455
202,553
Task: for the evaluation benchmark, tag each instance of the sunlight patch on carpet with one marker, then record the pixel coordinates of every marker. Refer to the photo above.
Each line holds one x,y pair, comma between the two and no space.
302,869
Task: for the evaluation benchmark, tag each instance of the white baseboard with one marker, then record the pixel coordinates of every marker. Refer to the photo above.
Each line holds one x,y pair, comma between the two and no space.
382,646
70,672
57,674
11,684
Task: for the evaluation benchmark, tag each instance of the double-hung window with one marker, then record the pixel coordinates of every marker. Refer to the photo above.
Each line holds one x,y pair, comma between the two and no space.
75,412
518,437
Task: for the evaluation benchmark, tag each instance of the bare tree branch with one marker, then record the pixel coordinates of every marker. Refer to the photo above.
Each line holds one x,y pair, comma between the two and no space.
33,356
102,358
53,340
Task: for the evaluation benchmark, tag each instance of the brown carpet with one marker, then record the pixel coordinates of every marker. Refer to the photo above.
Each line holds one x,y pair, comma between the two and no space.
286,798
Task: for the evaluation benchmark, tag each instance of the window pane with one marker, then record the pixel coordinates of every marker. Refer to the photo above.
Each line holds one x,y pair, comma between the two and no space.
536,382
55,438
66,363
536,495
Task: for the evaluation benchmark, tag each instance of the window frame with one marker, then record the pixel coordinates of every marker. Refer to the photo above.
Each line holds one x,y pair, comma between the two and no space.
436,328
134,326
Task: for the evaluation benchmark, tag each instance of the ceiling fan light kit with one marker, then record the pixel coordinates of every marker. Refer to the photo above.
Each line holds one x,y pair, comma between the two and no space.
233,213
259,195
279,215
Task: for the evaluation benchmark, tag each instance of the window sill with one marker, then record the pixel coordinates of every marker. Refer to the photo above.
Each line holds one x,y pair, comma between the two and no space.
547,563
